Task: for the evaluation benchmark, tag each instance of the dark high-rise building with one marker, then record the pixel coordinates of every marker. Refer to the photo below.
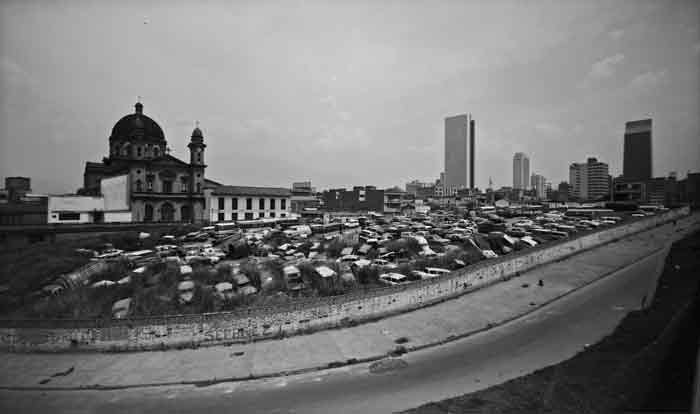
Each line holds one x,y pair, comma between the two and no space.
471,152
637,151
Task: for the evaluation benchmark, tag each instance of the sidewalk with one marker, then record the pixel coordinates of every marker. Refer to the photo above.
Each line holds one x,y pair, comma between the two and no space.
421,328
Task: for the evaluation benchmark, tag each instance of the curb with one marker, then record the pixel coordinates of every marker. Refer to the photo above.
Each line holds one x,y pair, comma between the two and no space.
334,364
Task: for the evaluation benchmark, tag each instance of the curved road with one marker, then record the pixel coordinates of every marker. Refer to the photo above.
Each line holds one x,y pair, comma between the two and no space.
547,336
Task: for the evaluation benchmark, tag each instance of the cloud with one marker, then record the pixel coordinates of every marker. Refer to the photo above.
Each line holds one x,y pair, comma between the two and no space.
605,68
616,34
696,48
649,80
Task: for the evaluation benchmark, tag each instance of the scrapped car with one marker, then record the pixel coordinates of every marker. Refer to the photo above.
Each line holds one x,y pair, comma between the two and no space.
391,279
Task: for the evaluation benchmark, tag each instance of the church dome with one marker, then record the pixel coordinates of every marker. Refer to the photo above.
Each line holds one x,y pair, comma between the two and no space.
137,125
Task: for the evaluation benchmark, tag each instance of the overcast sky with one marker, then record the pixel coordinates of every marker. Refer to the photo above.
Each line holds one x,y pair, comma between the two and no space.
348,93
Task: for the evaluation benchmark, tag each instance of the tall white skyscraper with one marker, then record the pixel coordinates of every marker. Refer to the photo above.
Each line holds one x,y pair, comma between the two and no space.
521,171
537,182
589,180
578,181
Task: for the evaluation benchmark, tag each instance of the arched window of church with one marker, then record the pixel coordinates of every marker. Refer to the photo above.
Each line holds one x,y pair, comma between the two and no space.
148,210
125,149
199,187
149,184
183,184
139,186
138,151
156,152
185,213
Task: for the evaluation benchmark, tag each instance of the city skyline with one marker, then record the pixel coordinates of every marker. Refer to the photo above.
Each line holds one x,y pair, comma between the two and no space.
292,102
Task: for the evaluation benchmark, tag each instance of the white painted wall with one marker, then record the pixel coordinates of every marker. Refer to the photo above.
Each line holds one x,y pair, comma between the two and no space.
118,217
115,191
82,205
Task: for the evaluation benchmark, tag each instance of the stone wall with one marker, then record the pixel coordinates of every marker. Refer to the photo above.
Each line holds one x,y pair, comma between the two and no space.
303,316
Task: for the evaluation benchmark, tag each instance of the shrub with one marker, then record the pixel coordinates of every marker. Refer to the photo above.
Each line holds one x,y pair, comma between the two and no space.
239,250
276,239
368,275
308,274
305,248
251,270
274,271
157,300
224,273
334,248
412,246
204,275
405,269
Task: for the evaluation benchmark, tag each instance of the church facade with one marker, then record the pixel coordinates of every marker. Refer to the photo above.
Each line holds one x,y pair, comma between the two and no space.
161,187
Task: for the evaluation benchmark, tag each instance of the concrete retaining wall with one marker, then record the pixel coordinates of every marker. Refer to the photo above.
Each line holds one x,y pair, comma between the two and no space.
304,316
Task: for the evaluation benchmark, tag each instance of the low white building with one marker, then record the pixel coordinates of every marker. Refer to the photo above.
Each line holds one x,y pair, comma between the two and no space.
235,203
110,207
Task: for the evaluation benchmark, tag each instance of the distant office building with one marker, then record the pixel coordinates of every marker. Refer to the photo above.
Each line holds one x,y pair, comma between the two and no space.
413,186
459,173
637,150
660,190
303,188
589,181
689,189
521,171
235,203
395,200
472,151
367,198
563,190
426,192
537,182
420,189
18,206
578,180
598,180
304,197
17,187
442,189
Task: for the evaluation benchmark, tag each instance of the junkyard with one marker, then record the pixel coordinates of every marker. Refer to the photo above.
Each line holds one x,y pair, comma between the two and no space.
264,262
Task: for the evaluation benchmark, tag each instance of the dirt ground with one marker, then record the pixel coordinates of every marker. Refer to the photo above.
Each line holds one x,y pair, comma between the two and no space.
646,365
